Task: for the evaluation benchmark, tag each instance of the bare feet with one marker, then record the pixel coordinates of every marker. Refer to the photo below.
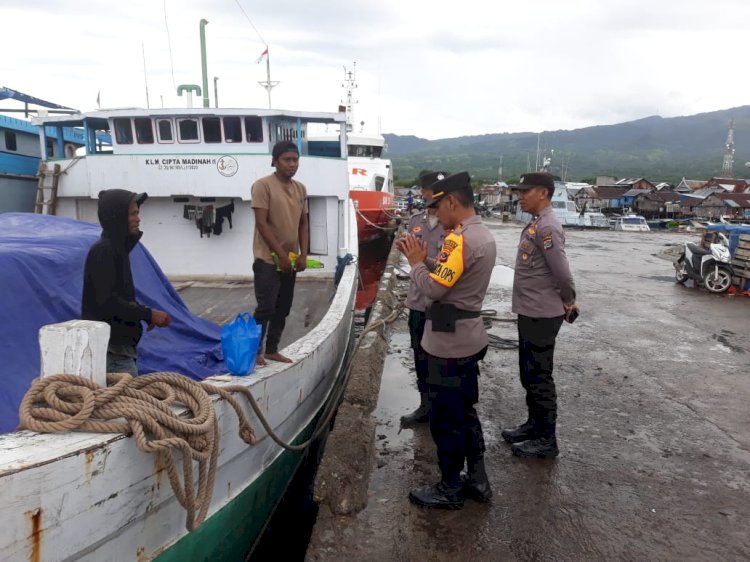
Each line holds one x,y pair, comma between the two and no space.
278,357
260,361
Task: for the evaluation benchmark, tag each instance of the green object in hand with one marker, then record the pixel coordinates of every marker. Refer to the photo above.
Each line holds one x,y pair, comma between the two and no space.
310,262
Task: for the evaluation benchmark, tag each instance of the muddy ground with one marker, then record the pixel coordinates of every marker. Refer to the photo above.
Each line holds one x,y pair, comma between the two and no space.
654,429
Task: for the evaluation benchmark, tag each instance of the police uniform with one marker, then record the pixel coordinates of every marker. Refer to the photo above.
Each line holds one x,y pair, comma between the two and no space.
455,341
542,283
432,235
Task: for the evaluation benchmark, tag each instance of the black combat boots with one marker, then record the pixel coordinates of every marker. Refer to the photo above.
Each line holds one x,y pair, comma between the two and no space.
476,486
542,448
440,495
421,414
523,432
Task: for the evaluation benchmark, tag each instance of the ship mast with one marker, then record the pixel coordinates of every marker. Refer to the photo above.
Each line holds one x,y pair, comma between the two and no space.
350,84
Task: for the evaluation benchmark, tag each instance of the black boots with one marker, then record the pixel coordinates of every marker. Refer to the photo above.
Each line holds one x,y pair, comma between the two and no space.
523,432
476,486
542,448
440,495
421,414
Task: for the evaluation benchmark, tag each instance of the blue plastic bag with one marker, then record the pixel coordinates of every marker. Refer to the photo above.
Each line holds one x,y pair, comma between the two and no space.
239,343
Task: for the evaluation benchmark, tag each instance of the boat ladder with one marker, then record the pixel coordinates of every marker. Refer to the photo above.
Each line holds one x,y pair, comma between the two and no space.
46,192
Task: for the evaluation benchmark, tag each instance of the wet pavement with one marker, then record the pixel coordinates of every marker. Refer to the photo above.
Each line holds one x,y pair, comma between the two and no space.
654,428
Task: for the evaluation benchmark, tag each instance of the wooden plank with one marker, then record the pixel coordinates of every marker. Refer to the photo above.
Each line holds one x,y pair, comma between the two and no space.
744,237
743,246
742,253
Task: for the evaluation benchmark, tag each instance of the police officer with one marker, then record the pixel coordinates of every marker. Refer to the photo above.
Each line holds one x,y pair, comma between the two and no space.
423,226
454,341
543,295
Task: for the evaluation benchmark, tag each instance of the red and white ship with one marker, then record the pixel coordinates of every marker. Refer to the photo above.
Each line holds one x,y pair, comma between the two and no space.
371,186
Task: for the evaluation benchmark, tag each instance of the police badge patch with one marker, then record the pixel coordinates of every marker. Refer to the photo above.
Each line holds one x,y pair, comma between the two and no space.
547,240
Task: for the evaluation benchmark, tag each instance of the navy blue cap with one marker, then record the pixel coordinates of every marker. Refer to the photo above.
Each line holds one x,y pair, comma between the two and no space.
455,182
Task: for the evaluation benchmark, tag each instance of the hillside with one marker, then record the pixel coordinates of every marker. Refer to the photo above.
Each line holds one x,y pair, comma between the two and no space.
660,149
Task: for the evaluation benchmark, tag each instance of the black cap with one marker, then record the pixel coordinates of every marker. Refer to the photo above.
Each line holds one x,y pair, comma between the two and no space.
536,179
427,178
456,182
140,198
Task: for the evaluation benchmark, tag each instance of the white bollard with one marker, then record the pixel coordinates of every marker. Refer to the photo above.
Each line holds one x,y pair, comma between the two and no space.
75,347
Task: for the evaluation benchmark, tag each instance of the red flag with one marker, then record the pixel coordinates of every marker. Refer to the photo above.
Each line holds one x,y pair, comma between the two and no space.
263,55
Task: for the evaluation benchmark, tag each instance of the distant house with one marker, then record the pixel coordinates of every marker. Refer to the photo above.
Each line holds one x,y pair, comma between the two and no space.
494,194
716,205
589,198
627,198
610,197
730,185
687,186
688,203
664,186
641,184
657,204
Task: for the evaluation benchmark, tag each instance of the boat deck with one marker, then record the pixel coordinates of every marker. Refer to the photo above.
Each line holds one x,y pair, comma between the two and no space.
221,302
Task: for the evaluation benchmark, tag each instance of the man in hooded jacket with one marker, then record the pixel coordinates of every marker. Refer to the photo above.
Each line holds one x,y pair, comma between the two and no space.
108,289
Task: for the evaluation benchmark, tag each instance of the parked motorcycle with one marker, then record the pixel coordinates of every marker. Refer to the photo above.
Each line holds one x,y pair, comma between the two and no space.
708,267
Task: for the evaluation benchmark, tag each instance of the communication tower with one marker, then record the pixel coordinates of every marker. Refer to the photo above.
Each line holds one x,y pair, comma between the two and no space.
726,169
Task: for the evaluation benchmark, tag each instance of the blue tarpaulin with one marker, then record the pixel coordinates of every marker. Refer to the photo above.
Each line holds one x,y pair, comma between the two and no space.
41,280
731,231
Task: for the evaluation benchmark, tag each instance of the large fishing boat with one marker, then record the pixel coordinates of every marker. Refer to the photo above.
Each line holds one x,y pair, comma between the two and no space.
20,150
84,496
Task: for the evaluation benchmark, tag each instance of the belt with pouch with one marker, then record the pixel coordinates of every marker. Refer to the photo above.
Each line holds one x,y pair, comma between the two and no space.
444,316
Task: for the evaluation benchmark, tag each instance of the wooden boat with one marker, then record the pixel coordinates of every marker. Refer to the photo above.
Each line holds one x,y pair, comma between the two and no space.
83,496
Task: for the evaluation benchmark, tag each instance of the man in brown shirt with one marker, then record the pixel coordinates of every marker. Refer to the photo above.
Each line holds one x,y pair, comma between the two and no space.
455,341
280,205
543,295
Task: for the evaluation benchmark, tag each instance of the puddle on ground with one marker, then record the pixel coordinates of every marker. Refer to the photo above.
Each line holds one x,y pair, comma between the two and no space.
398,392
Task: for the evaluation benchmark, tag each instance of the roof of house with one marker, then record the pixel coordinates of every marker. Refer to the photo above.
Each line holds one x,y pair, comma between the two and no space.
739,199
692,184
635,192
661,196
610,191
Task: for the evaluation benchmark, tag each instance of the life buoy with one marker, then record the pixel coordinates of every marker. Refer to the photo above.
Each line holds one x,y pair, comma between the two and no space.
70,150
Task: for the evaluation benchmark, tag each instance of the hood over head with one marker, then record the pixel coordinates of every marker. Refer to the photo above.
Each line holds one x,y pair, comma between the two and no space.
113,216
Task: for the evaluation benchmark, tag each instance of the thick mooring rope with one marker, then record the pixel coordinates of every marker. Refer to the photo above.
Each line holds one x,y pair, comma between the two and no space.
147,407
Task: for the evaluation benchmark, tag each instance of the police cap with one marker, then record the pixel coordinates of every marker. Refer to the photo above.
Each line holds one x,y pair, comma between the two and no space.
455,182
427,178
536,179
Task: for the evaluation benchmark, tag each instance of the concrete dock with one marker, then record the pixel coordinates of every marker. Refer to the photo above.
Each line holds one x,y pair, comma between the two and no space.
654,428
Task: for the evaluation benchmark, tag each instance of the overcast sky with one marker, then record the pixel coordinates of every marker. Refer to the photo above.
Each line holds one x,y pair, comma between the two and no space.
430,68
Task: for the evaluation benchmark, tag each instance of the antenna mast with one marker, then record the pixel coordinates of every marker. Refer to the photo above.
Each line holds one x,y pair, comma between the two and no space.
726,169
350,84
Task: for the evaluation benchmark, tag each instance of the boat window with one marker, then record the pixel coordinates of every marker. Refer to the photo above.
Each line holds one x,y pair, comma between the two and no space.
254,129
558,204
164,128
379,181
633,220
144,130
211,129
10,141
232,129
365,151
123,131
50,146
187,130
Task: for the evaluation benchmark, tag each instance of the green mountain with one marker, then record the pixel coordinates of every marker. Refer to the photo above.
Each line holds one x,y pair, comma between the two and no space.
657,148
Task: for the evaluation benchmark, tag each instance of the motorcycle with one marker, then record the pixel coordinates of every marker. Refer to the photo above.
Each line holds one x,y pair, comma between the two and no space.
708,267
